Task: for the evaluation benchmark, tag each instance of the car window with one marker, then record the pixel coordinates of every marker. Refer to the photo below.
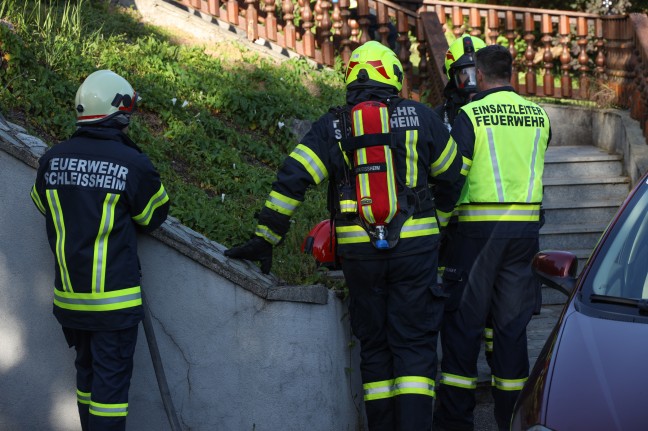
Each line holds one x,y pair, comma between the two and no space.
621,267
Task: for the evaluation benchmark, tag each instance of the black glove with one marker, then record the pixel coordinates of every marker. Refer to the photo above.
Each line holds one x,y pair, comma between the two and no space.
257,249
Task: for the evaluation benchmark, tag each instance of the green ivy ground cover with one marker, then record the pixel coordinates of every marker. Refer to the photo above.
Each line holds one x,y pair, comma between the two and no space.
216,126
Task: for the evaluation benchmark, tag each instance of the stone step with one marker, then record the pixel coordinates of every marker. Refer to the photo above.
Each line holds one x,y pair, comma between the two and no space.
570,236
595,211
609,166
585,189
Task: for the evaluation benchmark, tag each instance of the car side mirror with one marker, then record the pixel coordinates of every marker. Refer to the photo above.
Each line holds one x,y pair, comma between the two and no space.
556,269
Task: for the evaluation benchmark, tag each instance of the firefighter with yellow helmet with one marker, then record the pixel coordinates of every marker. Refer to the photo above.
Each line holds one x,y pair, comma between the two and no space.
459,67
97,190
395,302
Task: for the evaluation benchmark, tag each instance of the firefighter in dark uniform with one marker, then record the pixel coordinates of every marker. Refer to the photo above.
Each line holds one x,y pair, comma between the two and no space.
395,303
503,139
96,190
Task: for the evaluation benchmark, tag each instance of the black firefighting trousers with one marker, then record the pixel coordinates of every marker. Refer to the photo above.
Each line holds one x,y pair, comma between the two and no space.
396,309
490,274
104,365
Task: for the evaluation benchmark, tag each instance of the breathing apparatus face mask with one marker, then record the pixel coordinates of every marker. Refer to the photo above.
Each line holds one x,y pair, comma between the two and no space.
466,79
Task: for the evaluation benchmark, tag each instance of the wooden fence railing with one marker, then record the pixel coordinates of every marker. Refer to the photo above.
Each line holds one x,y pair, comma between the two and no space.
560,54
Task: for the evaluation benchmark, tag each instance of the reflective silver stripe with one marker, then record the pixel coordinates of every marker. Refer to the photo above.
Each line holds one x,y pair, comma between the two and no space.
411,139
99,409
101,242
459,381
265,232
496,171
414,385
309,160
466,163
37,200
282,203
97,301
156,201
504,212
427,225
351,234
445,160
59,225
533,162
508,384
83,397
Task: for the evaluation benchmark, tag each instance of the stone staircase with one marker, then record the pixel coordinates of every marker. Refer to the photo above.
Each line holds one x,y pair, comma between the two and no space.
583,188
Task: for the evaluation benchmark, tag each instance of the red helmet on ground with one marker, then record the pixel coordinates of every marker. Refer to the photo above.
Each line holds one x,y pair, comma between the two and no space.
320,243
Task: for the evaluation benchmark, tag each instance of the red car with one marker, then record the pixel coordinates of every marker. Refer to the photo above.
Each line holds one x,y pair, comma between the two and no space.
592,373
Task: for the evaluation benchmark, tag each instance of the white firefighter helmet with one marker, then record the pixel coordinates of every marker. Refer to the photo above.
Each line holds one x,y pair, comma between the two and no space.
105,95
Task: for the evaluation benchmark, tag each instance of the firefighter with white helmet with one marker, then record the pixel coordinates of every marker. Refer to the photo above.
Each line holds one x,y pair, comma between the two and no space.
96,190
395,302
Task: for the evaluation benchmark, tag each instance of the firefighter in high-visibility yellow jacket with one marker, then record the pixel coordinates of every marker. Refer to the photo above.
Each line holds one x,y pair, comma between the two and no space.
503,138
96,190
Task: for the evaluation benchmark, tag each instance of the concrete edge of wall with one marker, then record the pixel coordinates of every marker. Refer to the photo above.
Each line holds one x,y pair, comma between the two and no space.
15,140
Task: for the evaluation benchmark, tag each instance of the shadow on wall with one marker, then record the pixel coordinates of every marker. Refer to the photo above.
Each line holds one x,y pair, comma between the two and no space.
239,353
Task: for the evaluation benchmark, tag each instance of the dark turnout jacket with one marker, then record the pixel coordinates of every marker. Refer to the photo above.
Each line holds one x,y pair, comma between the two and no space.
96,190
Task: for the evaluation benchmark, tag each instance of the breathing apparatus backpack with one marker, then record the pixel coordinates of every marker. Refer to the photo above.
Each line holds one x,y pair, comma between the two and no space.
372,192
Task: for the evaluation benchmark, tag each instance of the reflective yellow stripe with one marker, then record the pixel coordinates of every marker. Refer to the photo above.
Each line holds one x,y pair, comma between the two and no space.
443,217
488,336
59,225
309,160
378,390
100,409
282,203
83,397
499,212
106,301
348,206
101,242
458,381
269,235
351,234
508,384
37,200
446,158
411,158
466,163
414,385
158,199
363,182
411,228
419,227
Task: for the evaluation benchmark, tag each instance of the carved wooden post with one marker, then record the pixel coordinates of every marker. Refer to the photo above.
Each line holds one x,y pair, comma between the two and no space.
493,27
383,23
308,38
345,31
457,21
232,12
583,59
510,36
252,20
440,11
195,4
289,26
474,20
363,20
271,19
317,9
355,30
565,57
424,76
617,33
404,52
336,17
214,8
547,57
529,54
600,47
325,35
